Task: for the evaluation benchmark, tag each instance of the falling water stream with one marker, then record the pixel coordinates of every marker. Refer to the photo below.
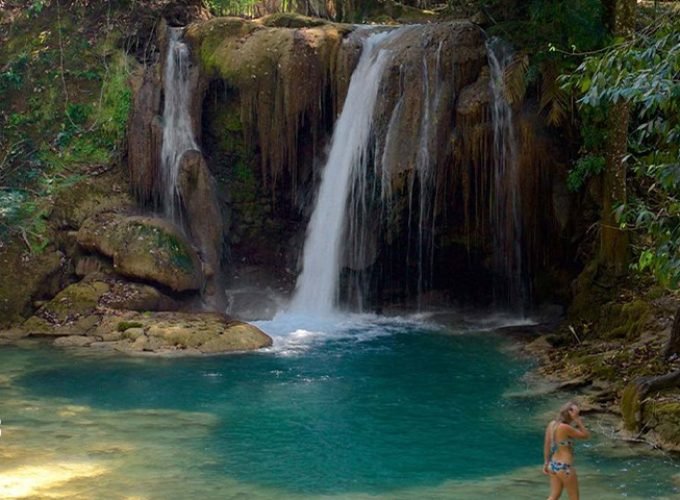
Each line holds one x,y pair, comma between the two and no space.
505,213
178,135
317,286
356,176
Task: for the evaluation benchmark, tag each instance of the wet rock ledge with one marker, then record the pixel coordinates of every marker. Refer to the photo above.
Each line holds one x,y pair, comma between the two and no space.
115,280
162,333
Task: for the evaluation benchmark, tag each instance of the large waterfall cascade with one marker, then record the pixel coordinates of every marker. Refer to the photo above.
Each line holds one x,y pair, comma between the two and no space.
317,286
410,181
505,212
342,228
178,135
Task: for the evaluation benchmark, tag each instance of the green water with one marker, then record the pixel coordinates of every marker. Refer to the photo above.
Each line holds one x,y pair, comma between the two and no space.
367,408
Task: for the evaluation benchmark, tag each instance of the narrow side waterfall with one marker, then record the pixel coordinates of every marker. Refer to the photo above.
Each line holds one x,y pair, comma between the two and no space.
317,286
178,136
505,212
425,162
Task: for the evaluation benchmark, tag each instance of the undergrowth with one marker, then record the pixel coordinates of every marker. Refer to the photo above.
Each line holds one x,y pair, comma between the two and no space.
66,97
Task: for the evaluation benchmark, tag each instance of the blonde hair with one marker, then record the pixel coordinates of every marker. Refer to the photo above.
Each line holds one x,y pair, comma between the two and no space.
564,415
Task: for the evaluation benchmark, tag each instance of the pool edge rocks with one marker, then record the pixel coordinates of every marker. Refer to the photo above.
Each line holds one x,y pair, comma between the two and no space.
162,333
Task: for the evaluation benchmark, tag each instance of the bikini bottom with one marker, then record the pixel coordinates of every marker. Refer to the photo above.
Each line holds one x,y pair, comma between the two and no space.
554,467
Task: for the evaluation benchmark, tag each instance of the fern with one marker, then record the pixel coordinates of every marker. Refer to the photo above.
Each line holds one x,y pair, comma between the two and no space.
555,101
515,78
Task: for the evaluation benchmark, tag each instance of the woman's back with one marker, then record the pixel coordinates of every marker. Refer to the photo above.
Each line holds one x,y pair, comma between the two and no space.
562,446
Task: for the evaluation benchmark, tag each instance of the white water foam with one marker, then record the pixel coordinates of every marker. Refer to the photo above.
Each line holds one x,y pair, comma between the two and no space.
295,333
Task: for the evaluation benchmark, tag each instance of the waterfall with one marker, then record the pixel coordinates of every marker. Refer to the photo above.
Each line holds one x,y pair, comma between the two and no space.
178,136
505,212
317,285
425,162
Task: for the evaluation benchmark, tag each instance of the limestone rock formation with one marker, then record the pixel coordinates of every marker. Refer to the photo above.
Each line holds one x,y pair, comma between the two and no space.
145,133
126,295
202,211
191,333
84,315
73,311
144,248
26,278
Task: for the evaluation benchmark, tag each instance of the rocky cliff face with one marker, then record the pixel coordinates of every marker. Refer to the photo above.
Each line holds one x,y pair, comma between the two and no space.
264,105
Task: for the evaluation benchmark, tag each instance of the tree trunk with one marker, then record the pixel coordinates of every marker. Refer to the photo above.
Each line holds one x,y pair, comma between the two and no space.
673,345
614,239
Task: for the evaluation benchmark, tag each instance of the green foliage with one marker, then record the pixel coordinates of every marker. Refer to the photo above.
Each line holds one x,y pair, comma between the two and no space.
231,7
572,25
36,7
644,73
78,113
66,98
552,31
13,75
586,166
22,214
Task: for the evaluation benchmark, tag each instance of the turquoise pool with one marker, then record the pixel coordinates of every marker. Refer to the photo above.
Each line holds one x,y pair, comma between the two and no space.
354,407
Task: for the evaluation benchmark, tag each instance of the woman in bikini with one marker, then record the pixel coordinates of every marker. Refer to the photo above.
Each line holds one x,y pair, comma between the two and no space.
558,451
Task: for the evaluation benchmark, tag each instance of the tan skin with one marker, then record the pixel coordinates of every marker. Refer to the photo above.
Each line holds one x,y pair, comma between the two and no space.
572,429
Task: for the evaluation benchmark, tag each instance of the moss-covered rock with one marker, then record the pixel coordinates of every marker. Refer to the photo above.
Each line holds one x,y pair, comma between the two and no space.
144,248
27,277
73,311
89,197
189,332
291,20
137,297
664,418
624,320
280,74
75,301
631,407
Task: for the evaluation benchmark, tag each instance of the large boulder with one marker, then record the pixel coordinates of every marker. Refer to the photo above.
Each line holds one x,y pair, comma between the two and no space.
25,278
125,295
73,311
144,248
188,333
90,196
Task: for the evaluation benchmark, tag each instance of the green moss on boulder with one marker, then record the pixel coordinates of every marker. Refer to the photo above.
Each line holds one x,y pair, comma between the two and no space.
89,197
144,248
631,407
624,321
26,277
291,20
663,417
126,325
195,333
73,311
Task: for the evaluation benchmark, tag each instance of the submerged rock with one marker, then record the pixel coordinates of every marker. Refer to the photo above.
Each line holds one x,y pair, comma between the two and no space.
144,248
